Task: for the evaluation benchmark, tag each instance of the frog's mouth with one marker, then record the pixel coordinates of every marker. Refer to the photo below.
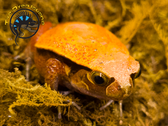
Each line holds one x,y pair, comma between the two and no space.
116,97
83,90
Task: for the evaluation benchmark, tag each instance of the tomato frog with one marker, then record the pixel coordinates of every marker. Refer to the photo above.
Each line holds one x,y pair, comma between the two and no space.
86,58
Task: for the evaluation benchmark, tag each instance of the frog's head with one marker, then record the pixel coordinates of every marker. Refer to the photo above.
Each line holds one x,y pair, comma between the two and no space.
114,80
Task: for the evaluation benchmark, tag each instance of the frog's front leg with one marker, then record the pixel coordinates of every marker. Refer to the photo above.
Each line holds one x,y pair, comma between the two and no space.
54,72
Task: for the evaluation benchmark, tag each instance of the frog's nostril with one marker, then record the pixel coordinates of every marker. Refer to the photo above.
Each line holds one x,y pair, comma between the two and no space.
119,91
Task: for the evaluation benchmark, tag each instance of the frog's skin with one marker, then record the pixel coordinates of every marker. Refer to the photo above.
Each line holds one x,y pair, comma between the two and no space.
86,58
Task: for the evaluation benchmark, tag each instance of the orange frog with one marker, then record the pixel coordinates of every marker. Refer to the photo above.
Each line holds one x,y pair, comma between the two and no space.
86,58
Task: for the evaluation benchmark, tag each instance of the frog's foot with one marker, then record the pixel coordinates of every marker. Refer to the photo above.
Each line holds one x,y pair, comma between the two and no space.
120,109
26,56
59,109
73,103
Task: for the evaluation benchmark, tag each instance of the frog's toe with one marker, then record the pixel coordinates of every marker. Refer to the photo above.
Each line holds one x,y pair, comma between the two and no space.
20,56
106,105
121,113
74,104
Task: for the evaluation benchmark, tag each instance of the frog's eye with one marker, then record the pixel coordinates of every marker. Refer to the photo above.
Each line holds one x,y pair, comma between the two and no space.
136,75
99,78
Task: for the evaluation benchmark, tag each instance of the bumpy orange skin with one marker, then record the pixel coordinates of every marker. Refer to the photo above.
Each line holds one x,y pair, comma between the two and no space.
88,45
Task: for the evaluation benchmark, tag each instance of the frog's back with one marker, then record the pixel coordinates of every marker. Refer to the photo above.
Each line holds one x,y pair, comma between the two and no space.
86,44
